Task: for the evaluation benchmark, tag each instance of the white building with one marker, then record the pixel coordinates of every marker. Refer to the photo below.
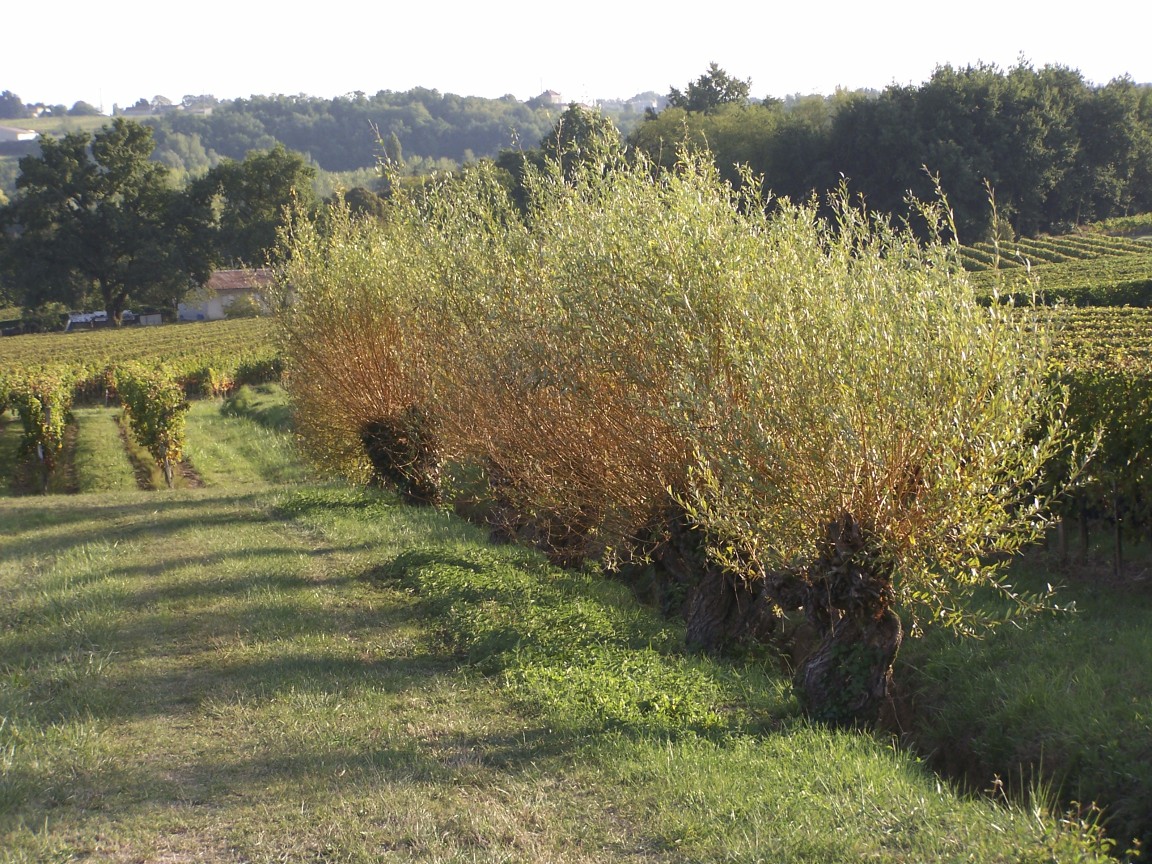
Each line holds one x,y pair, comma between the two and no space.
224,288
12,133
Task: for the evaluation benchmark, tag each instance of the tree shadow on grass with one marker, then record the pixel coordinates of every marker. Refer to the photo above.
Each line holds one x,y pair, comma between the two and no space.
36,527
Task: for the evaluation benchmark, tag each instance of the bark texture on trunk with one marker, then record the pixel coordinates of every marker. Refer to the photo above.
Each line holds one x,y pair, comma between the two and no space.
403,453
846,680
721,608
724,609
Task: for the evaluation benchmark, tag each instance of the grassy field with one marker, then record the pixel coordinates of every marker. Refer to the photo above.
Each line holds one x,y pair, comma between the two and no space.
264,668
62,125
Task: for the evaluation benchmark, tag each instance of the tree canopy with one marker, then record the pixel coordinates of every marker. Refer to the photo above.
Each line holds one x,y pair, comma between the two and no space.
712,90
250,198
581,138
12,107
94,220
1057,150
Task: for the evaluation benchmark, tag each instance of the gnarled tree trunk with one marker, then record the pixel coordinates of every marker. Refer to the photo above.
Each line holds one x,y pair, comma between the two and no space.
403,453
846,680
720,608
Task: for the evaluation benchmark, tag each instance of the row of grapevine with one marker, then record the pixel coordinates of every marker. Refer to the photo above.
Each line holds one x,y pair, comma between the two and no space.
42,401
1119,280
155,406
208,359
1037,251
153,371
1103,360
153,401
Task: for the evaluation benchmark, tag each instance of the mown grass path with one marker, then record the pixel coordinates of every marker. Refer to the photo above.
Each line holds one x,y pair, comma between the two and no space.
190,678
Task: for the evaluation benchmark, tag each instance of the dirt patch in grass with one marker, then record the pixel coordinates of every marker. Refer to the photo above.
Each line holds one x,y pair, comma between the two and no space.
141,467
191,477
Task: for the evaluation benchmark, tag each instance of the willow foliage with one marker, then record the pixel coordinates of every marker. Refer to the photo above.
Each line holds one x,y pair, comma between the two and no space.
865,379
641,340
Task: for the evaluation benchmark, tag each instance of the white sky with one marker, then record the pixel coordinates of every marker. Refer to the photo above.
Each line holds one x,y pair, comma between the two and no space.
117,52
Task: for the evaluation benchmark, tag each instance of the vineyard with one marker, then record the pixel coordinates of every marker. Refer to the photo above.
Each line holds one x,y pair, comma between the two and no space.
1078,270
1100,286
151,372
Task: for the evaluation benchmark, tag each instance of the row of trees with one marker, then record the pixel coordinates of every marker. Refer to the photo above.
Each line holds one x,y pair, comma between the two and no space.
1057,150
630,364
96,223
12,107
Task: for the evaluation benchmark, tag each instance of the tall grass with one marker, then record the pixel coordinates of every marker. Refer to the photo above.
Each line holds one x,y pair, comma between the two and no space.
1063,701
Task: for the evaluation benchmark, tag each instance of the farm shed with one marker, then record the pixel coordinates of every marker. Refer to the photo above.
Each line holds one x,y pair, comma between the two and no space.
224,287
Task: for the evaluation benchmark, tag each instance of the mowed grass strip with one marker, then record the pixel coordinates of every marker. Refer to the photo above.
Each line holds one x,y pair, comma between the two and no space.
183,675
100,463
235,675
245,440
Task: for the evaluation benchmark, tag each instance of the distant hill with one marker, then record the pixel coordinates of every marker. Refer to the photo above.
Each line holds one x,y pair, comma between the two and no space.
426,128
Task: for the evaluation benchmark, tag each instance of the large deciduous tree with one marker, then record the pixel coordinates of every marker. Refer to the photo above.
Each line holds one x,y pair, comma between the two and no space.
12,107
251,199
95,221
712,90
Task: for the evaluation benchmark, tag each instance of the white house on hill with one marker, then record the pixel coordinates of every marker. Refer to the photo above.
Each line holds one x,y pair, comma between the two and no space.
12,133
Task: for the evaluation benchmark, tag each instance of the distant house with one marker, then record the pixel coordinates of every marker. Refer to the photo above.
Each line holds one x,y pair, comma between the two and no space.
550,97
640,104
12,133
224,287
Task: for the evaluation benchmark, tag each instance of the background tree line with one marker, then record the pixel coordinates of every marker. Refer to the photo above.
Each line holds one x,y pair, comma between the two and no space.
97,223
425,130
1057,150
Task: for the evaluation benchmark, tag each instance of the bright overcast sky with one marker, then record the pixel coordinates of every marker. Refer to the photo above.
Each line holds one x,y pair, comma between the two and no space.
61,52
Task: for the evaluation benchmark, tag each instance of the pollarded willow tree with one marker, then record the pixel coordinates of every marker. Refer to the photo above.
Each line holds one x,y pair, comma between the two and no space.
818,414
355,362
872,440
372,318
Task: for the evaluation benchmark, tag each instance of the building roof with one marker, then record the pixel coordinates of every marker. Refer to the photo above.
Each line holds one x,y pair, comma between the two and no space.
15,133
239,280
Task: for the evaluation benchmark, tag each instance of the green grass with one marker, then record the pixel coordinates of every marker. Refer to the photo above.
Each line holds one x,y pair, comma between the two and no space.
62,125
247,448
267,670
1064,700
318,673
100,461
244,445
